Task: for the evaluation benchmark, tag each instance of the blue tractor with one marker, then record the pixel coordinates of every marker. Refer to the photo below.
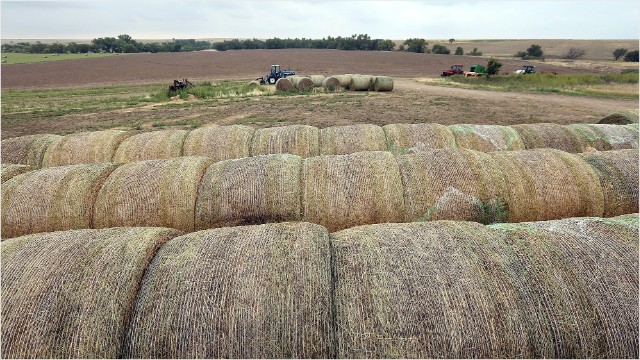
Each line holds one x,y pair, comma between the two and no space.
275,74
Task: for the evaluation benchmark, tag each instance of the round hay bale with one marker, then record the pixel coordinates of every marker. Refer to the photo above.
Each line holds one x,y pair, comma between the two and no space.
254,83
302,140
284,85
404,137
554,136
618,173
317,80
486,138
27,150
344,80
70,294
151,193
453,184
219,142
547,184
302,83
163,144
51,199
11,170
361,83
261,291
331,84
342,191
606,136
382,83
341,140
252,190
621,118
84,148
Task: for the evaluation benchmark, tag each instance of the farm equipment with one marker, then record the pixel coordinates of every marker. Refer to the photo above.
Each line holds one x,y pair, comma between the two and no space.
475,71
180,85
454,70
527,69
274,75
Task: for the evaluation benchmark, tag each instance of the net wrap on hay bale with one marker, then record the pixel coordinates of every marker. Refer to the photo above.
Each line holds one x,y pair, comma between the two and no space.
151,193
402,138
487,138
349,139
341,191
27,150
70,294
163,144
51,199
261,291
621,118
219,142
253,190
284,85
331,83
317,80
605,136
302,140
11,170
84,148
344,80
361,83
301,83
554,136
382,83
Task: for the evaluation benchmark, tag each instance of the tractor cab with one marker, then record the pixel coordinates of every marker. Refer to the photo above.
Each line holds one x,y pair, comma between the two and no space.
275,70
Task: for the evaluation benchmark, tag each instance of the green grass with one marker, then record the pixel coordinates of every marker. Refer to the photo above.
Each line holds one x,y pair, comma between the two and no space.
222,89
603,85
20,58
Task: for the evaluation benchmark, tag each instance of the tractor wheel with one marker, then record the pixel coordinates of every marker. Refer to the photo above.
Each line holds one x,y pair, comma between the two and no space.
272,81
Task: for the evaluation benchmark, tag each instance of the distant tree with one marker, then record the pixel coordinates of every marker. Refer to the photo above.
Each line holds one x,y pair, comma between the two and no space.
440,49
573,53
618,53
521,54
475,52
401,47
387,45
452,40
493,67
459,51
631,56
535,51
416,45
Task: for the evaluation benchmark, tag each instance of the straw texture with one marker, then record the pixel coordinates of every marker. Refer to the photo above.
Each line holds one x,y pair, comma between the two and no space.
84,148
344,80
27,150
331,83
164,144
70,294
219,142
382,83
621,118
259,291
302,140
341,140
284,85
606,137
552,136
341,191
253,190
487,138
404,137
317,80
361,83
51,199
151,193
11,170
618,173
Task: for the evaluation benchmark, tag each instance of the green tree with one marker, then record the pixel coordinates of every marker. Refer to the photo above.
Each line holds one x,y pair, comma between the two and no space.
440,49
535,51
631,56
493,67
416,45
452,40
459,51
618,53
475,52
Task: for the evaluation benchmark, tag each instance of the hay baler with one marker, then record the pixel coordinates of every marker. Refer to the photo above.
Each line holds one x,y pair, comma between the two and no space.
475,71
274,75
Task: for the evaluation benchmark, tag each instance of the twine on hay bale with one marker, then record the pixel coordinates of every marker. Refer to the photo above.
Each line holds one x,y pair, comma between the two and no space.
621,118
27,150
260,291
605,136
253,190
486,137
341,191
349,139
344,80
11,170
51,199
302,83
361,83
331,83
618,174
554,136
70,294
302,140
219,142
84,148
453,184
548,292
163,144
404,137
382,83
317,80
151,193
284,85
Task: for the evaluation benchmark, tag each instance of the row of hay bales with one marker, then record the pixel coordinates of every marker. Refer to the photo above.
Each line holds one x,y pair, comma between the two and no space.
237,141
353,82
336,191
557,289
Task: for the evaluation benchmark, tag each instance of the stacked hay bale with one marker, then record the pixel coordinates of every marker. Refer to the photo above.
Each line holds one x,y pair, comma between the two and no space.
151,193
486,138
404,137
341,140
70,294
618,174
302,140
605,136
382,83
331,84
51,199
242,292
554,136
284,85
84,148
163,144
341,191
621,118
11,170
562,289
27,150
219,142
250,191
361,83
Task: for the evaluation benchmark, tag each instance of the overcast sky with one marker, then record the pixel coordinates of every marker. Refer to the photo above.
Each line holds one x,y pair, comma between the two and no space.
471,19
